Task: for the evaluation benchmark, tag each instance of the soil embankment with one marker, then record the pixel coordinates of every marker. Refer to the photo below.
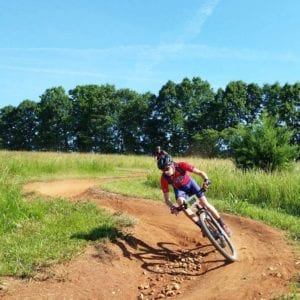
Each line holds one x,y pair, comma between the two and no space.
165,256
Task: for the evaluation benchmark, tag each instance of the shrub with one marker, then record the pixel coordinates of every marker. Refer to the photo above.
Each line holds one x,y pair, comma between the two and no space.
263,145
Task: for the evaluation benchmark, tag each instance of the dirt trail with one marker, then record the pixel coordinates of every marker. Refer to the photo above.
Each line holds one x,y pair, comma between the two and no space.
165,255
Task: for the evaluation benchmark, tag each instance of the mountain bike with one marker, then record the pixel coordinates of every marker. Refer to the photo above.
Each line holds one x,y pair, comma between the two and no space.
212,229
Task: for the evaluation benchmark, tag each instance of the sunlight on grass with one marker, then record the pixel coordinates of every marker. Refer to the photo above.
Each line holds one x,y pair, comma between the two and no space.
36,233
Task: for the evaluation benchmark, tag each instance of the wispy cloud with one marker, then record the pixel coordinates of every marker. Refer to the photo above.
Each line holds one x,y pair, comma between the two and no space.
53,71
201,51
193,26
83,74
147,60
146,53
148,57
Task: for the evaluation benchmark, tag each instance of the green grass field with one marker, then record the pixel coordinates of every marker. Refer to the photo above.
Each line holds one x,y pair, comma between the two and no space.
36,233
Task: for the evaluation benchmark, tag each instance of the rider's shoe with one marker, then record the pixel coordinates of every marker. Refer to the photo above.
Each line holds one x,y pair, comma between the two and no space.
226,229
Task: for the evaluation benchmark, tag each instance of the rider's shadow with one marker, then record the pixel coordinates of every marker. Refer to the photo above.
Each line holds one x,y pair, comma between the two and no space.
158,259
154,257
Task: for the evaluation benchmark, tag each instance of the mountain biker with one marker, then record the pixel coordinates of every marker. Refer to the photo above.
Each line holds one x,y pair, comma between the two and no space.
184,185
159,153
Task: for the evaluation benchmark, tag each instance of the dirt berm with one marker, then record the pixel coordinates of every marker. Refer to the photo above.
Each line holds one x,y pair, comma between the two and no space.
164,257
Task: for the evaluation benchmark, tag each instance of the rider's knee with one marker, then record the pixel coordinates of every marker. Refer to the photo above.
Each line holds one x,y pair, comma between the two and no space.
180,201
203,201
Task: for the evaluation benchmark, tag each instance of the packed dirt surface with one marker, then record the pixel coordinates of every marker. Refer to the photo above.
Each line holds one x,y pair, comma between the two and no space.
165,256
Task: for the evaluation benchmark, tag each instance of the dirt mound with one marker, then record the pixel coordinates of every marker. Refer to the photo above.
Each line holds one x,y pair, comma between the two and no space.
164,256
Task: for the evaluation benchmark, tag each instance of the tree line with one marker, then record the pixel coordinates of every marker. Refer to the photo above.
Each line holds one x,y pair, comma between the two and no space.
184,118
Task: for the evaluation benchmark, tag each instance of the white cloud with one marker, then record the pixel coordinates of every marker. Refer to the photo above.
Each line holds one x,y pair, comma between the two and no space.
153,56
53,71
194,25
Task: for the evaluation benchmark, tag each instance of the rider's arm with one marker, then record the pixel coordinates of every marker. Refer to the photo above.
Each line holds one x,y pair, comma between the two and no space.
200,173
165,189
168,200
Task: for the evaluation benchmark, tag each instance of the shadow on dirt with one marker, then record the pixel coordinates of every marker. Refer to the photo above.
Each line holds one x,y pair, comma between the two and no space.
170,258
109,232
164,258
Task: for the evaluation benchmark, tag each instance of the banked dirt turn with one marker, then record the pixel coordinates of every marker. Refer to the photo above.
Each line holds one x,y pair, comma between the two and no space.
164,257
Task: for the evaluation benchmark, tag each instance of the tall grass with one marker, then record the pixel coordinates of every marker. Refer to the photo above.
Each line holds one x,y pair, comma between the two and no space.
36,233
49,233
273,199
28,165
278,191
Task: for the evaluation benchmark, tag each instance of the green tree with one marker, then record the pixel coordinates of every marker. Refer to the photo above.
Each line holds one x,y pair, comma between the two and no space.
272,98
234,103
284,103
55,127
195,99
8,127
95,118
165,120
254,103
179,112
133,116
263,145
26,125
207,143
289,108
238,104
216,117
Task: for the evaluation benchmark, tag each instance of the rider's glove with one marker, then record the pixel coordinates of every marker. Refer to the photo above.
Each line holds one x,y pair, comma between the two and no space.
174,210
205,184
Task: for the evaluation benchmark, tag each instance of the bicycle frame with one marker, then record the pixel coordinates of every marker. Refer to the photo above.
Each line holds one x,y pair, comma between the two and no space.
193,202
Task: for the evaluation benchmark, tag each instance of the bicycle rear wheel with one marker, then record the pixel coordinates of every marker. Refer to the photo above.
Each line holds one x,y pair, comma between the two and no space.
217,236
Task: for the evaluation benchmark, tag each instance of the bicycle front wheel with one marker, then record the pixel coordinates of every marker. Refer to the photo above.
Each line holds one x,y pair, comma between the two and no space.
217,236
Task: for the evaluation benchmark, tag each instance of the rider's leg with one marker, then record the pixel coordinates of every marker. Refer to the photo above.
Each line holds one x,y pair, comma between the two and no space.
188,212
203,202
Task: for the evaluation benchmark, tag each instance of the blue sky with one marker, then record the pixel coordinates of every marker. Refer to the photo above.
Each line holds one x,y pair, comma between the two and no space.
141,44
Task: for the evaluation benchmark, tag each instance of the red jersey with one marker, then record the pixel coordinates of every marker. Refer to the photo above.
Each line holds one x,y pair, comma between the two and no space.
180,177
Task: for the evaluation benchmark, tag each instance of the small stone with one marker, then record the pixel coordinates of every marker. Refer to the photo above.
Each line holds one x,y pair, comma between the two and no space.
141,296
176,286
170,293
3,287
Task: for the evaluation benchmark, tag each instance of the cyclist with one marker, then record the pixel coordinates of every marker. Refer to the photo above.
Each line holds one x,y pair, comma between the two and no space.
159,153
184,185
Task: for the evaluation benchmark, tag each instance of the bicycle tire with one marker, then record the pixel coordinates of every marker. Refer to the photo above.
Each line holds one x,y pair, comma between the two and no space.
211,227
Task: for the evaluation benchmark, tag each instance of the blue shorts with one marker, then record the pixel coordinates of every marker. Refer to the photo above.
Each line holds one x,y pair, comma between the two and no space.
190,189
